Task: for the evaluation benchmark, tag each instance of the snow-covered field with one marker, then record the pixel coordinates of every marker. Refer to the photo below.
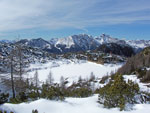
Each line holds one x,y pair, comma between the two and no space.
71,69
71,105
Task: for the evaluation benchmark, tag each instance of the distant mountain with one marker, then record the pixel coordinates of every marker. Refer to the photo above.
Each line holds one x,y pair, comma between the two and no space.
83,42
138,43
73,43
76,43
104,39
39,43
6,41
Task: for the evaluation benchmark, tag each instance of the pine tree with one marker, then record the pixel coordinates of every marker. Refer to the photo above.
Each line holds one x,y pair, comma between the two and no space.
62,82
36,81
92,76
118,93
50,79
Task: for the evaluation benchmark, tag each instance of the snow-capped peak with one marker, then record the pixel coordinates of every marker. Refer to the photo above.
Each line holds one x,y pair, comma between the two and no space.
108,39
139,43
65,41
81,41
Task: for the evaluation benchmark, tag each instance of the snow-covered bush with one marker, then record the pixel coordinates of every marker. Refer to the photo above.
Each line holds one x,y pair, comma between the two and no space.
21,97
52,92
3,98
35,111
5,112
118,93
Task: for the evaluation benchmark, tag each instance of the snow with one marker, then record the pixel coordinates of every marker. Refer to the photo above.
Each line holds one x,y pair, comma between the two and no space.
70,105
147,69
143,86
71,69
65,41
138,43
83,41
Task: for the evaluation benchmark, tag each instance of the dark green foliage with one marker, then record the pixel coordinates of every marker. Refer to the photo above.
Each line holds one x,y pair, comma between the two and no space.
52,92
14,100
83,88
58,92
141,72
3,98
21,97
104,78
80,89
118,93
33,95
33,92
5,112
80,92
35,111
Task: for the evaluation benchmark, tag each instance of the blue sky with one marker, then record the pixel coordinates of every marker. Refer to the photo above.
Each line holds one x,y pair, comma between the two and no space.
129,19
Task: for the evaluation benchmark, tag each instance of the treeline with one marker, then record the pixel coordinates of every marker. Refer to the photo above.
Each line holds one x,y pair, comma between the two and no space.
14,67
34,89
139,65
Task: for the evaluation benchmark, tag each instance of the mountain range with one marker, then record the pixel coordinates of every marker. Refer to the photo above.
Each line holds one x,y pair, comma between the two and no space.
81,42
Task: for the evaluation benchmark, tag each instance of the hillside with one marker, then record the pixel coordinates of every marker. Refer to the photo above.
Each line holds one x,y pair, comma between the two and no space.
71,105
139,65
117,49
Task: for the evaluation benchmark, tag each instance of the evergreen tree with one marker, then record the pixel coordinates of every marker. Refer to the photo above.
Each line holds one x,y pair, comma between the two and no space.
50,78
36,81
118,93
92,76
62,82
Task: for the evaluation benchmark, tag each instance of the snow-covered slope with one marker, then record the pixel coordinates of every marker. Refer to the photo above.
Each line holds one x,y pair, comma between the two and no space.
86,42
71,105
68,42
81,42
104,39
138,43
76,43
40,43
